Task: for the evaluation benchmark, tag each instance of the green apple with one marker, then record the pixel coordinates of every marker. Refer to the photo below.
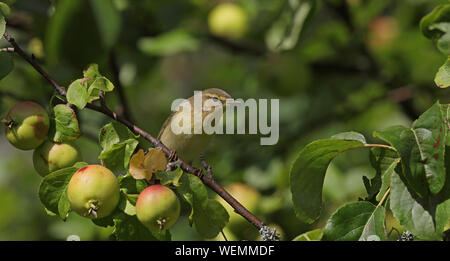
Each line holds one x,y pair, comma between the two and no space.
158,208
249,198
26,125
93,192
228,20
51,156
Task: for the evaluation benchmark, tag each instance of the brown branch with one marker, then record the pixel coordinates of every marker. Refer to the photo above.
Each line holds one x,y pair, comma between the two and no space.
183,165
32,62
123,100
239,47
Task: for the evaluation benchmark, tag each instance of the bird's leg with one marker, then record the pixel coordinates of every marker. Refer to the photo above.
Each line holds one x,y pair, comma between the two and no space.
199,173
173,161
173,156
206,166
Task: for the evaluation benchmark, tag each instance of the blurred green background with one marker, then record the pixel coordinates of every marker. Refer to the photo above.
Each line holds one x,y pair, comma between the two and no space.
355,65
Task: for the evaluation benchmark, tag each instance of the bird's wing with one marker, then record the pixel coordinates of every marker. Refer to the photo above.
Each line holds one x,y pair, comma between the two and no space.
164,126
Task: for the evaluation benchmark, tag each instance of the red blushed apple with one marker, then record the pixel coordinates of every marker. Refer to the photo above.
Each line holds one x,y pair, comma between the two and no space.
158,208
93,192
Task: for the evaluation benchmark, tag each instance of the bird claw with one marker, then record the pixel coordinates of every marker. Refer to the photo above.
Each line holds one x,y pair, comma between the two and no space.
199,173
173,156
207,168
171,166
173,161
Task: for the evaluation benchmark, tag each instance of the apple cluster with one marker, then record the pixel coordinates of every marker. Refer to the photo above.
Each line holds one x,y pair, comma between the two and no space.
93,191
26,128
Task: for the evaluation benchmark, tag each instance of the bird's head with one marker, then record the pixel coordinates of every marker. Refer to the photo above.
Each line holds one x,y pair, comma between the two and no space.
215,95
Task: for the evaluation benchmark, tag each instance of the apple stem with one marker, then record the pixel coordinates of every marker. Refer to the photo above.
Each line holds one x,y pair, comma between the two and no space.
92,209
8,123
161,223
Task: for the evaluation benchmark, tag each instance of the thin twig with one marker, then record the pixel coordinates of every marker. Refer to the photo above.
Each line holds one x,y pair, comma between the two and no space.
137,130
384,197
239,47
223,234
33,63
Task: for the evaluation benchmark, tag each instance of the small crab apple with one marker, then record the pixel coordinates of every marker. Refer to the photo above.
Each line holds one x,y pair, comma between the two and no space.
93,192
26,125
52,156
158,208
250,199
228,20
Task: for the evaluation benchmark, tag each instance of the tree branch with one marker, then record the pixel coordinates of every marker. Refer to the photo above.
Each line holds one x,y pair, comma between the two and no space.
135,129
239,47
33,63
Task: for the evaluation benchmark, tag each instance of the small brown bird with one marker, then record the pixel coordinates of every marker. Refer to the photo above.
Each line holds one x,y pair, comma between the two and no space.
189,146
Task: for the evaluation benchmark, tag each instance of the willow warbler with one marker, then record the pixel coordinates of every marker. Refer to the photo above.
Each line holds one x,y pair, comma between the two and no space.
189,146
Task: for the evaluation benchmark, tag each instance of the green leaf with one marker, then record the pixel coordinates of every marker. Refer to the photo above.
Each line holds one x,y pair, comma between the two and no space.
108,21
64,205
443,43
313,235
285,32
4,9
351,135
58,26
87,89
442,78
170,43
442,200
352,220
170,177
91,73
125,205
118,144
104,222
413,213
6,62
53,188
404,141
431,132
129,228
131,185
113,133
384,162
210,221
77,93
2,25
375,230
308,172
194,192
132,198
118,156
440,14
101,83
64,124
